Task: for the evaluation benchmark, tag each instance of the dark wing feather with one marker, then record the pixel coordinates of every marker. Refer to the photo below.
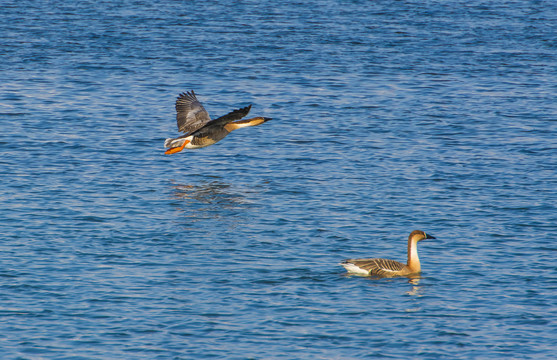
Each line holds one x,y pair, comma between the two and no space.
231,116
378,267
190,114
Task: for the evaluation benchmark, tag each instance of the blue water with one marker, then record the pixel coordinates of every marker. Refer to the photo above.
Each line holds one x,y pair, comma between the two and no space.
388,116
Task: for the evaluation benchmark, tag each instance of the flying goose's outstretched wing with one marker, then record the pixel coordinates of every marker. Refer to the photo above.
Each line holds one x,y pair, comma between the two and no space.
190,114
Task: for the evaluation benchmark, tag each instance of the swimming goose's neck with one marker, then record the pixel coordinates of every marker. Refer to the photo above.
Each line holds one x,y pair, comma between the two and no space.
413,259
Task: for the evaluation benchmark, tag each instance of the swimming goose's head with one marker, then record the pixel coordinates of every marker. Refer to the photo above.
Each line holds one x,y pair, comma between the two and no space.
418,235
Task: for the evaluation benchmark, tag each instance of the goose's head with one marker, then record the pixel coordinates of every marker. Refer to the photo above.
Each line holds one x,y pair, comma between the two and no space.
418,235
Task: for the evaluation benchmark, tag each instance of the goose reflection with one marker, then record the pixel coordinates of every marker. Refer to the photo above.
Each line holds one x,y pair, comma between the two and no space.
211,201
208,193
416,289
413,280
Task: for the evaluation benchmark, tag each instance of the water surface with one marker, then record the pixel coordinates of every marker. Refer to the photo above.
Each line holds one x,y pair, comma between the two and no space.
388,116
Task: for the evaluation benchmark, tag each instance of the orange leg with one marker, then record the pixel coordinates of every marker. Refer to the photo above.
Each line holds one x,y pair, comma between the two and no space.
176,149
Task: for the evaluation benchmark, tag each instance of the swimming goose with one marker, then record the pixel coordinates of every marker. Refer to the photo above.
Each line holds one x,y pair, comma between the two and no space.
386,267
198,128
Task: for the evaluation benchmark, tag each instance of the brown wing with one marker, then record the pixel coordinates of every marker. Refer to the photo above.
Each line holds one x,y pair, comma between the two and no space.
231,116
378,267
190,114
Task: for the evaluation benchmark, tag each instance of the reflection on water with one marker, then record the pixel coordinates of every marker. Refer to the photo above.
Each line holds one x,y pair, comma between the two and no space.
416,290
414,280
210,201
214,192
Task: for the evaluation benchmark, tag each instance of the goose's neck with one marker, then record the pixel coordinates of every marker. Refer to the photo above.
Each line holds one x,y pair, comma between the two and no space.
413,259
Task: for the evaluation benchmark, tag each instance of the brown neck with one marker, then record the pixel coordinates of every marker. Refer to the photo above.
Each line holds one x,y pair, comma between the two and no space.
413,259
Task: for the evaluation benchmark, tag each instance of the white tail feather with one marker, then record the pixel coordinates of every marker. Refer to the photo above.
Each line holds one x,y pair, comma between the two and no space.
172,143
351,268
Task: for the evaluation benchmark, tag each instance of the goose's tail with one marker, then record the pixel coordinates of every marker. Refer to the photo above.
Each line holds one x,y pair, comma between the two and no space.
175,145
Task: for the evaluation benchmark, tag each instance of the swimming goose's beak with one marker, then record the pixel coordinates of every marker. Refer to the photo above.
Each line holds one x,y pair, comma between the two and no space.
427,236
267,119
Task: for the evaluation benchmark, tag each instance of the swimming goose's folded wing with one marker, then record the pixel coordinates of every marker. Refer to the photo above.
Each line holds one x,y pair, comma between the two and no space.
381,267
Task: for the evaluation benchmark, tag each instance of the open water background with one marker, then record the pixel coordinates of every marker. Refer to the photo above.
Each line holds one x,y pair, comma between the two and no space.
388,116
